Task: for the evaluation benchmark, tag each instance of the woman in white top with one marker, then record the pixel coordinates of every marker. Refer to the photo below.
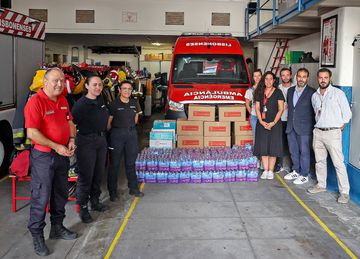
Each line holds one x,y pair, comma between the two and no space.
249,98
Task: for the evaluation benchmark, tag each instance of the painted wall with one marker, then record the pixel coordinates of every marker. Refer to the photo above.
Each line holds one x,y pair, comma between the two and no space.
309,43
348,21
264,51
150,15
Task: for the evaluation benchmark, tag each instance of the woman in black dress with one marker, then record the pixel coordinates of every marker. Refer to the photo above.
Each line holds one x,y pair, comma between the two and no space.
269,105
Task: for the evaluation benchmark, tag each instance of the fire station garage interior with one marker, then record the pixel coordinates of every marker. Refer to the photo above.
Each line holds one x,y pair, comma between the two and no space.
172,81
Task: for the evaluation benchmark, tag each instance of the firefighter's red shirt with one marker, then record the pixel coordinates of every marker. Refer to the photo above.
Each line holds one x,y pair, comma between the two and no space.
50,117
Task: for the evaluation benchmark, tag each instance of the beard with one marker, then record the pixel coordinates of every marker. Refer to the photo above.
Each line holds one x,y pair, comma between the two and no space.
301,84
324,86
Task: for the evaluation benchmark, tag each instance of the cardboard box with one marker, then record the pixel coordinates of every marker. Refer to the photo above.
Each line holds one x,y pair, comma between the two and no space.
164,124
190,141
241,140
217,141
199,112
242,128
234,112
161,143
216,128
190,128
162,139
167,56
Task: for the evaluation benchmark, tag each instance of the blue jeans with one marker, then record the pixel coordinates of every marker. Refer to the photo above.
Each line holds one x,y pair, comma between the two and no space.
253,120
299,146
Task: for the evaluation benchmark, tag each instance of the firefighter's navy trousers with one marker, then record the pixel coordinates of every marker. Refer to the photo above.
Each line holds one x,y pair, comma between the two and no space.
123,141
91,157
49,173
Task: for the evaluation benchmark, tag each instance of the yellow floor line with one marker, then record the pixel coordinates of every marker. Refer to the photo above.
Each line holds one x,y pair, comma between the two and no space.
123,225
4,178
317,219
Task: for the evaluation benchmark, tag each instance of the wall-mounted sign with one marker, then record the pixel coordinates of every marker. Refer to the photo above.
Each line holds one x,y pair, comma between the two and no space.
129,17
328,42
39,14
85,16
220,19
174,18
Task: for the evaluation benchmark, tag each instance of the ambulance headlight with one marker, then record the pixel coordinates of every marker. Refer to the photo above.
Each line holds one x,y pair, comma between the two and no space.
174,106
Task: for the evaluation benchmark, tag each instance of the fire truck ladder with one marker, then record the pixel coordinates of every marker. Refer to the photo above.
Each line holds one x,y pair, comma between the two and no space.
281,47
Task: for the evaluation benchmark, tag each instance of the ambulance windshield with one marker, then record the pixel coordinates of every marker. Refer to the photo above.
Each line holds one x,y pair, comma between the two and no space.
209,69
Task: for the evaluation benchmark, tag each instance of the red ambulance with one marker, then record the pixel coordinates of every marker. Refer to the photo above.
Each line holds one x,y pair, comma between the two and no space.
207,68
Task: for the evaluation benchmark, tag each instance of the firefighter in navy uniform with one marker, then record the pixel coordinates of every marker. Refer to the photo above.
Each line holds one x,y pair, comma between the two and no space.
49,125
124,113
91,117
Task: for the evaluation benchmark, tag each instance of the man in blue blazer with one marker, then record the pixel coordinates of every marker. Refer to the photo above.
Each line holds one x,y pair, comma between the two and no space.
300,125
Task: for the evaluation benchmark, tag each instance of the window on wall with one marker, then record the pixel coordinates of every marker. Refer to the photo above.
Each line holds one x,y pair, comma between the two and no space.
39,14
220,19
85,16
174,18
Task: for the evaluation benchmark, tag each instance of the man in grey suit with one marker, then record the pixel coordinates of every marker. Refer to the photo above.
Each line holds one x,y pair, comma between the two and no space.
300,125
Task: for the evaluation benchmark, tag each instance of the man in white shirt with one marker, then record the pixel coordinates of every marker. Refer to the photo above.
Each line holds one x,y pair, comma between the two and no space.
332,112
285,76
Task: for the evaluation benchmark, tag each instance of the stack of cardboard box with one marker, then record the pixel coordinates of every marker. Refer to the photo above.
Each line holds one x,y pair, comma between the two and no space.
201,129
191,132
163,134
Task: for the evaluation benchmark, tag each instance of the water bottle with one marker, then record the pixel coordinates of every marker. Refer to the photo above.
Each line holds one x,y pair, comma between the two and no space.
195,177
218,177
140,176
161,177
173,177
206,177
184,177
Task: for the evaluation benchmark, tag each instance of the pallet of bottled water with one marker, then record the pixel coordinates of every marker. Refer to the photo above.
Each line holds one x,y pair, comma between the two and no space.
197,165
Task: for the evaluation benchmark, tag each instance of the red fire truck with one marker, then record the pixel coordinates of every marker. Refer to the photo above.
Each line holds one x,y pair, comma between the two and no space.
207,68
21,53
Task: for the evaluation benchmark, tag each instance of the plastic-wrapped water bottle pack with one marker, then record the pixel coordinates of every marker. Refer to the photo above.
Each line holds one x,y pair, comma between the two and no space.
197,165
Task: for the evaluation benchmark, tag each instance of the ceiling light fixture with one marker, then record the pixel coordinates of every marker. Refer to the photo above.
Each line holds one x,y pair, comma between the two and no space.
155,43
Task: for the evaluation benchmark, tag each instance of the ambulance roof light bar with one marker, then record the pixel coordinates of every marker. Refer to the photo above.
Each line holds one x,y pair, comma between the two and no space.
220,34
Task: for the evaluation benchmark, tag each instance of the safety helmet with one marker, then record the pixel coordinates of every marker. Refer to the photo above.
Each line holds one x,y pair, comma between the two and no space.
79,80
107,82
83,65
38,80
122,76
113,74
80,86
69,83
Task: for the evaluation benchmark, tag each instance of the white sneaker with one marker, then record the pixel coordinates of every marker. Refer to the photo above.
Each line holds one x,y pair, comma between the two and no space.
264,175
291,176
301,180
270,175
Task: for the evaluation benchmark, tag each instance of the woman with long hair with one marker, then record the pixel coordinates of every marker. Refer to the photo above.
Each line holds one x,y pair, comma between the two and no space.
249,99
269,105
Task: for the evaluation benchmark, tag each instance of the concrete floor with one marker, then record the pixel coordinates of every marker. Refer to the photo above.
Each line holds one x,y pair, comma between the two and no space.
223,220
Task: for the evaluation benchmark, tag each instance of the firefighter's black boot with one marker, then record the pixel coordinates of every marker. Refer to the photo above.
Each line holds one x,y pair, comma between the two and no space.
136,192
61,232
97,205
84,214
40,247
